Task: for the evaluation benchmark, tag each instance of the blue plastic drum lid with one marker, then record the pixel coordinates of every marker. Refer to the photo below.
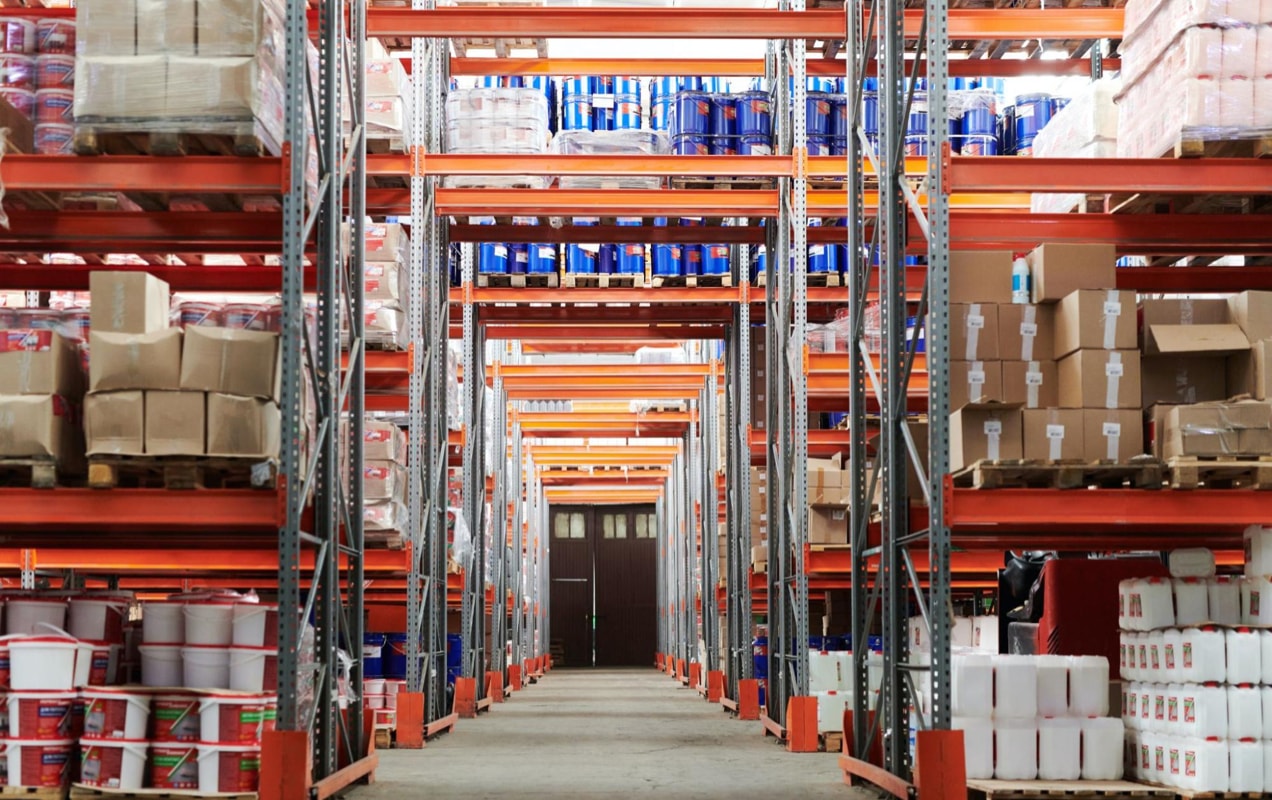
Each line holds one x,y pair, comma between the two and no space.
754,111
542,259
816,642
817,113
492,258
715,259
580,259
691,113
690,145
724,115
755,146
839,116
666,260
722,146
980,146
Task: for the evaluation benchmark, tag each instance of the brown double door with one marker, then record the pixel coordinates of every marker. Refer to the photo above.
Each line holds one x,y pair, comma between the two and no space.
603,585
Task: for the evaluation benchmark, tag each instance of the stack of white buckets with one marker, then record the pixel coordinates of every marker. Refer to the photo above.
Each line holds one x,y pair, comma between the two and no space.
1197,673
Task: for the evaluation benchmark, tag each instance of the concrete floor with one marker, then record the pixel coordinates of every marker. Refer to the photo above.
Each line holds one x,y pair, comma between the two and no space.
606,733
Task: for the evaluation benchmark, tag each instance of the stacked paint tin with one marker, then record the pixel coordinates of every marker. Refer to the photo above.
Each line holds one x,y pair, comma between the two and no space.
37,78
516,258
601,103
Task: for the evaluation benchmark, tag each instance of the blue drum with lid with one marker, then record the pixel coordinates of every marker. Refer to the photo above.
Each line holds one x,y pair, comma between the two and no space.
870,112
580,259
541,259
607,259
660,112
576,95
754,111
518,258
602,103
755,146
722,145
667,260
492,258
724,115
691,259
627,110
691,113
664,87
690,145
819,146
817,114
839,116
715,259
1033,112
980,146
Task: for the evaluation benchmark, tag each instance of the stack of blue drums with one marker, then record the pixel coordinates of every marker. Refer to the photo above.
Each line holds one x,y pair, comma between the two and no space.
1033,112
754,112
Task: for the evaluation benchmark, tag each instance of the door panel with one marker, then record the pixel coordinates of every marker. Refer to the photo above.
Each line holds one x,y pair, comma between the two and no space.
626,590
571,584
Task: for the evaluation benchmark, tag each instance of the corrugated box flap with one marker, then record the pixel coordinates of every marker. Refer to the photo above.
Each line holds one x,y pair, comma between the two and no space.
1181,339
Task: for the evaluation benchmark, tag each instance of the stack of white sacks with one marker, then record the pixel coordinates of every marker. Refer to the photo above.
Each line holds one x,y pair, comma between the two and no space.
1085,128
1197,691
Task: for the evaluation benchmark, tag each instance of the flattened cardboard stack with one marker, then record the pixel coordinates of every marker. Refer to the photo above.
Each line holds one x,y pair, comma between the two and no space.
154,390
383,476
41,390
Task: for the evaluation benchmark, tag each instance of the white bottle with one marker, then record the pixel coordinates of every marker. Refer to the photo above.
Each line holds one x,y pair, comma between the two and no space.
1021,281
1245,766
1060,749
1102,749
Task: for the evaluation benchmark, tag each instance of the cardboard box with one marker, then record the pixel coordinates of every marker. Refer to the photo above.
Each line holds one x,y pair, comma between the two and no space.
39,362
974,331
115,423
383,480
134,360
980,276
1061,269
127,302
38,426
242,426
21,136
1112,434
176,423
1252,312
1196,430
1185,379
919,432
168,26
1182,340
214,87
384,281
1248,372
230,361
387,241
985,430
1031,384
383,441
1181,311
1100,379
975,382
117,86
759,376
1026,332
1053,434
231,28
109,28
828,525
1095,320
759,554
385,77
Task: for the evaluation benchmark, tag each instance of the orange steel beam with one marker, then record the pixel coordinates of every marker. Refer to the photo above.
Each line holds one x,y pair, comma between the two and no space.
1094,176
547,451
204,174
599,392
645,334
752,67
142,232
125,560
647,477
601,495
141,510
726,23
606,202
694,370
552,165
399,164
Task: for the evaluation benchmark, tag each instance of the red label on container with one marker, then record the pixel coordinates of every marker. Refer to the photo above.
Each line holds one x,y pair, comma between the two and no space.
242,723
45,765
101,766
238,772
174,767
176,719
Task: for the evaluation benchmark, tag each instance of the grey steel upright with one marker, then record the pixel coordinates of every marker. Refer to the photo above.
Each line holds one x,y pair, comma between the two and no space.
473,614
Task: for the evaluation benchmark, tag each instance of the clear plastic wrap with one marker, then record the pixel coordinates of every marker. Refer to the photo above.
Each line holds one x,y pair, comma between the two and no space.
1161,20
1085,128
496,121
661,355
627,142
388,516
387,119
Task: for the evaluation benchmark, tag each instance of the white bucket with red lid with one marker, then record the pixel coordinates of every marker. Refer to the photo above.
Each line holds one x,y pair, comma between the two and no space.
176,717
163,622
254,669
209,622
115,714
113,763
174,765
206,667
40,763
42,663
162,665
41,715
255,625
229,768
231,718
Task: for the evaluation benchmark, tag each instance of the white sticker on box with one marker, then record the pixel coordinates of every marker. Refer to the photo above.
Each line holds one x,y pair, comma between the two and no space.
1028,330
974,321
993,433
1033,379
1055,441
1113,375
1112,436
1112,310
975,378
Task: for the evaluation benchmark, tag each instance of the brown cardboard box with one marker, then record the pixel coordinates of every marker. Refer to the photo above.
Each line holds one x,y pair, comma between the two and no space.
1252,311
383,480
1181,311
1248,372
166,26
134,360
231,28
975,382
974,331
1185,379
980,276
1196,430
35,426
1032,384
1254,442
127,302
1181,340
110,28
919,432
759,489
1095,320
39,362
1026,332
383,441
230,361
1112,434
386,282
21,136
387,241
115,423
210,87
176,423
120,86
828,525
759,554
1053,434
242,426
1060,269
985,430
1100,379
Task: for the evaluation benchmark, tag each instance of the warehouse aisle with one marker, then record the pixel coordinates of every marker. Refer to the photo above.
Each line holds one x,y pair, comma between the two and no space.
612,733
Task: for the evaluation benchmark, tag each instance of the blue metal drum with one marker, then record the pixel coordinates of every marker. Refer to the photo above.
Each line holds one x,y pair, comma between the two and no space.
627,106
602,103
664,87
518,258
722,146
630,257
715,259
691,258
693,145
760,262
607,259
755,146
724,115
490,81
541,259
660,112
576,96
1007,132
691,114
818,260
817,113
839,147
870,112
1033,112
980,146
754,111
819,146
666,260
839,116
580,259
1058,103
492,258
711,85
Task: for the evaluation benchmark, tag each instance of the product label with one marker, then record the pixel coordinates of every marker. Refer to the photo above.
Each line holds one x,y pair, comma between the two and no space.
1132,707
1254,602
1145,761
1159,758
1055,431
975,377
993,427
1174,760
1154,656
1190,763
1033,378
1028,329
1111,429
1172,709
175,769
975,321
1168,653
1113,370
1190,709
1187,655
1159,707
176,720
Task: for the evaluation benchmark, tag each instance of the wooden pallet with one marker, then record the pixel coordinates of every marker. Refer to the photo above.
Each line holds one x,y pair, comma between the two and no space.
379,145
95,141
34,792
832,741
181,472
1145,473
1053,790
37,473
724,183
383,540
503,47
1220,472
81,792
383,738
582,281
549,280
831,279
691,281
1195,147
1185,794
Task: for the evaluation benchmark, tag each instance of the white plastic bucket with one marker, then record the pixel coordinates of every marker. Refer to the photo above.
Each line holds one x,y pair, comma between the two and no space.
229,768
115,714
97,619
1015,689
1059,749
163,622
830,709
1101,749
40,763
44,716
25,615
823,672
83,663
1088,686
1245,766
972,685
113,764
206,667
374,686
174,765
1191,601
377,701
1053,689
176,717
209,622
231,718
42,663
1224,601
255,625
1203,658
1015,749
1245,712
1244,652
978,746
162,665
254,669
